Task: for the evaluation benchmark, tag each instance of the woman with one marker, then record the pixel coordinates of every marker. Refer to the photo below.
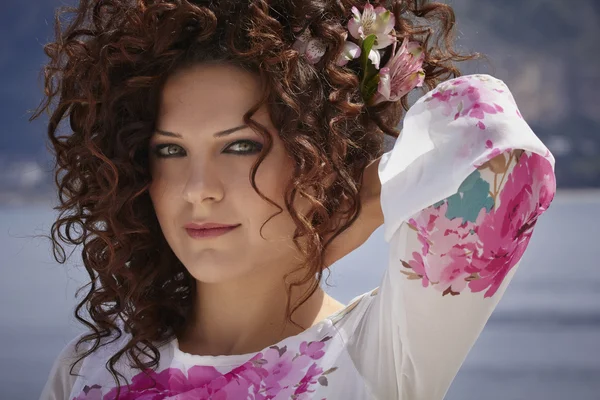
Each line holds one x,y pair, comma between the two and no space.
225,153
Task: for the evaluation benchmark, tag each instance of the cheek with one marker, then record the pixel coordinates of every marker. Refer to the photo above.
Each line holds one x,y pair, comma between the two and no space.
272,179
159,197
160,187
165,174
165,192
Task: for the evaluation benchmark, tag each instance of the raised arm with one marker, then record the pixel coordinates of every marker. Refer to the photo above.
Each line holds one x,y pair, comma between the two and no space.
369,219
461,192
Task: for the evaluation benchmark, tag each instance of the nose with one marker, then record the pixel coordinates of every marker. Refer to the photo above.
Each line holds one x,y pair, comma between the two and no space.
203,182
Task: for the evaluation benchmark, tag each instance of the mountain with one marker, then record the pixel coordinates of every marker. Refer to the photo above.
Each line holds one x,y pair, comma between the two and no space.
546,51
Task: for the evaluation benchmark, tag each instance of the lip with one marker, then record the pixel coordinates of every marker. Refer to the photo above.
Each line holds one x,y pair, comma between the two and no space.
208,230
207,225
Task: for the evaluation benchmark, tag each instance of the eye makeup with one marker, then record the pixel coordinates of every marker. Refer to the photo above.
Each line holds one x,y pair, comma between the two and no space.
158,150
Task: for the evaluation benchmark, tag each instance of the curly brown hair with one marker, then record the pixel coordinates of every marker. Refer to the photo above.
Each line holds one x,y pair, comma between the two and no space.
107,68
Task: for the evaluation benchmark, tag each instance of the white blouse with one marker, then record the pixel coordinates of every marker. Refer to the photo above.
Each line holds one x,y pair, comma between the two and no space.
461,192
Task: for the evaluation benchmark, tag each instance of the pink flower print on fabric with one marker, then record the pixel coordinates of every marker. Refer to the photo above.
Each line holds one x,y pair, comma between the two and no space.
467,97
286,369
491,155
445,265
274,373
506,232
457,254
313,350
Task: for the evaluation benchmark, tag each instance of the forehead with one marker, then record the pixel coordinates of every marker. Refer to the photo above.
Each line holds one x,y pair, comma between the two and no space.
209,91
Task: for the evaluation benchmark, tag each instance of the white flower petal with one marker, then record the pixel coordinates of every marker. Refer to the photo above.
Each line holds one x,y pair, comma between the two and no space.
375,57
368,14
384,87
383,41
341,61
352,49
350,52
385,20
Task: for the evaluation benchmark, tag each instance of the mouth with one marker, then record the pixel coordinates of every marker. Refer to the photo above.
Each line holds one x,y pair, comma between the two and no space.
209,232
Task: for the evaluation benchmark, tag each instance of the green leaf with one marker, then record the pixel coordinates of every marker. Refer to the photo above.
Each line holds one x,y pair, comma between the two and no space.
370,87
371,71
365,49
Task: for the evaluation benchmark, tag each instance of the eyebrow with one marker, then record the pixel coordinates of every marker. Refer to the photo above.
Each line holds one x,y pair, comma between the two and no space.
218,134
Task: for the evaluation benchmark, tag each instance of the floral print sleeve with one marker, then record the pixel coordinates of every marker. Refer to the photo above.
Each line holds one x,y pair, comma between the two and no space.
462,190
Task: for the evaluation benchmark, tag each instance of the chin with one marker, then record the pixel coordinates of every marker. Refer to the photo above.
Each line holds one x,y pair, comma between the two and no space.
215,272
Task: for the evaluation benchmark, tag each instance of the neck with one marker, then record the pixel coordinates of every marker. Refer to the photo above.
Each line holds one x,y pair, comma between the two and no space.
248,315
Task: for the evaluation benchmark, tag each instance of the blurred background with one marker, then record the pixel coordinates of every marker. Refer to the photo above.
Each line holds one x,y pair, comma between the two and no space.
542,342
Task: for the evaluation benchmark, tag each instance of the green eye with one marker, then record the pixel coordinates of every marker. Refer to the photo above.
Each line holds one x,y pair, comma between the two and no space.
246,146
170,152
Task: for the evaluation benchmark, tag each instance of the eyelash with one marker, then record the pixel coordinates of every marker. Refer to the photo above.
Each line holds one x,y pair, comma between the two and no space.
257,147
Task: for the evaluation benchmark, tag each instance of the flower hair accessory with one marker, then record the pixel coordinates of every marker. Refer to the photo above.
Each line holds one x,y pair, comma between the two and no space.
371,31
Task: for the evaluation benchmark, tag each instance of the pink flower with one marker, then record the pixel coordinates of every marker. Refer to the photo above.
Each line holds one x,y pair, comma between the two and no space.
274,373
312,349
285,369
472,97
169,382
308,380
442,262
312,47
489,156
230,386
507,230
372,21
200,375
402,73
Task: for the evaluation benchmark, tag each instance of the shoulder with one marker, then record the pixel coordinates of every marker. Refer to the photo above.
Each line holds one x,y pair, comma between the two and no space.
474,91
469,99
60,380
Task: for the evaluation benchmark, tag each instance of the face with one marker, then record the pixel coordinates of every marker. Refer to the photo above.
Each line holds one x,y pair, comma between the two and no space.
203,176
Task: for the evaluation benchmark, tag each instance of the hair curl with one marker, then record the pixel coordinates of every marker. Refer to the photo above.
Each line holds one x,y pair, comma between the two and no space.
107,69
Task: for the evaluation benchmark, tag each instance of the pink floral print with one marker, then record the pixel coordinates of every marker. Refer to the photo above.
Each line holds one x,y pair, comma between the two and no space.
467,98
445,266
507,229
275,373
460,251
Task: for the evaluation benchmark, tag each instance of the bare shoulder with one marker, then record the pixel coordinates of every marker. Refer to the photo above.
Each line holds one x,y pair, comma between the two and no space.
331,306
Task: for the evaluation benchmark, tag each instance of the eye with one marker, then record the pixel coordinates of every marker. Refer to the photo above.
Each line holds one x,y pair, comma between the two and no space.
246,146
170,152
